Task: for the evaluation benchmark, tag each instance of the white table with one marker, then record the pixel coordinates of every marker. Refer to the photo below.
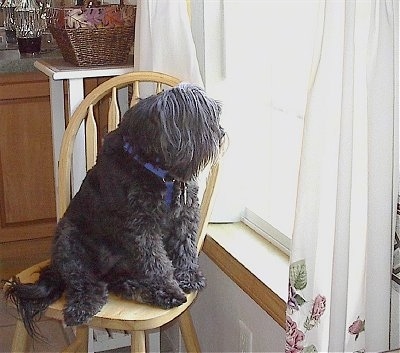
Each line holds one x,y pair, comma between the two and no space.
58,70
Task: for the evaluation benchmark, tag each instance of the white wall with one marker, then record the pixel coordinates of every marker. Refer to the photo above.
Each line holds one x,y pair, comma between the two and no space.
217,312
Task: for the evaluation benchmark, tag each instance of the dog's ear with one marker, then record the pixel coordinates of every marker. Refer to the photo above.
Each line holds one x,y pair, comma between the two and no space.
113,142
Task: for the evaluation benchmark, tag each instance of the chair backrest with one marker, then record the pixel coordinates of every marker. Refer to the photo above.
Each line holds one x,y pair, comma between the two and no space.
84,115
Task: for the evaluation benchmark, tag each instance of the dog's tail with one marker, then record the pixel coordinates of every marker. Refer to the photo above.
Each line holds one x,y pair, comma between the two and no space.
32,299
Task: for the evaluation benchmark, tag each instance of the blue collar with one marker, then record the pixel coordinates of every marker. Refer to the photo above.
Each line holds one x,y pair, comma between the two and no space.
161,173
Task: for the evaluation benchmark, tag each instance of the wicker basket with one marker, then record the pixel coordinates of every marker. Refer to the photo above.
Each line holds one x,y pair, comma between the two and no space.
104,40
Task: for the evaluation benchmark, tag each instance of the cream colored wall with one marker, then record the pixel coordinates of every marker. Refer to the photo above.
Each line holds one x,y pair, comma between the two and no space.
219,308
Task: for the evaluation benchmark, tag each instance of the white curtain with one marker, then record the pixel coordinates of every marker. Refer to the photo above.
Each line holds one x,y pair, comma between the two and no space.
163,40
339,290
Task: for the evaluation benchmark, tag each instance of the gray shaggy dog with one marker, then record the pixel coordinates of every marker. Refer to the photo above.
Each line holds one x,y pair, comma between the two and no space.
132,227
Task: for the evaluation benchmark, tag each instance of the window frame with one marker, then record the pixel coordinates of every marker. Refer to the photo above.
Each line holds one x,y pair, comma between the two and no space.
209,33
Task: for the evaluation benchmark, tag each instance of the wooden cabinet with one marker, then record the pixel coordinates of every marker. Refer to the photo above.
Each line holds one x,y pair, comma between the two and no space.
27,195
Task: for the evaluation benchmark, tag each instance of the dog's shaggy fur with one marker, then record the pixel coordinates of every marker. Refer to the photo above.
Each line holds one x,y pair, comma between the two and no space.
131,229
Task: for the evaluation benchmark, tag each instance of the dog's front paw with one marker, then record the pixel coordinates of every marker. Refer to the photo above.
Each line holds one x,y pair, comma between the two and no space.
190,280
169,296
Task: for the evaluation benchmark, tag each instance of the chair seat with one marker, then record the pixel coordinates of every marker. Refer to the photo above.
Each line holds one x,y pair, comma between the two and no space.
117,313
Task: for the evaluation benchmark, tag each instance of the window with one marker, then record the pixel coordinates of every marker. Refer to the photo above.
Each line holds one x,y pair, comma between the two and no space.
264,52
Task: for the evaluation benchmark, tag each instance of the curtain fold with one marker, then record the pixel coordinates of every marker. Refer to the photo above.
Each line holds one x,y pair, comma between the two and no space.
163,40
339,288
382,186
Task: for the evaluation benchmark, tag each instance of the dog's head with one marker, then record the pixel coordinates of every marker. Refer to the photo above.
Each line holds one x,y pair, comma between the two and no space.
178,130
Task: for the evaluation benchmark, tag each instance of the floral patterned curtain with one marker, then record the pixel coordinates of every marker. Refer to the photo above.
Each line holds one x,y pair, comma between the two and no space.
395,312
339,295
396,250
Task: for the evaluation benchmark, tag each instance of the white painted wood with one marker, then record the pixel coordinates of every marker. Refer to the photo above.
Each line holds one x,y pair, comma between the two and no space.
57,124
76,95
123,100
58,69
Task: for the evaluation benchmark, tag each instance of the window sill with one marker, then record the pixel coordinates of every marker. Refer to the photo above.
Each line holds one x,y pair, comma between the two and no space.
254,264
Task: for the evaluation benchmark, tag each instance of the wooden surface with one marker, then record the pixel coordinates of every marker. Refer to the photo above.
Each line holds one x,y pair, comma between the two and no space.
264,296
117,313
188,332
27,195
138,344
18,255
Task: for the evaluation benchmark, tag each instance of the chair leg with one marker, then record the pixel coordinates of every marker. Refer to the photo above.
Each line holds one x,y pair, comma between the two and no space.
138,342
80,345
189,332
20,339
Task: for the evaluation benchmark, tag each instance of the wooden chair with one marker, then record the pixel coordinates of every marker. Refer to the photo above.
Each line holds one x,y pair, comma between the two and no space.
118,314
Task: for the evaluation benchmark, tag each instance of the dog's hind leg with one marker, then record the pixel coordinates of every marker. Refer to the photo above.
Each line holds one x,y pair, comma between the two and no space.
84,299
85,293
